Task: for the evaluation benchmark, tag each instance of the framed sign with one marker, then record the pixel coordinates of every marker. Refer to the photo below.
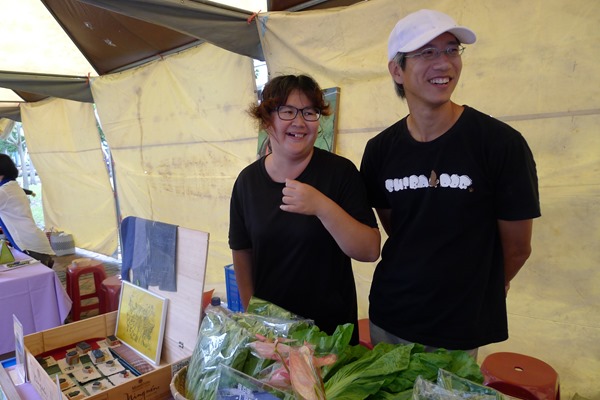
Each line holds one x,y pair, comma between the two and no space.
21,363
141,321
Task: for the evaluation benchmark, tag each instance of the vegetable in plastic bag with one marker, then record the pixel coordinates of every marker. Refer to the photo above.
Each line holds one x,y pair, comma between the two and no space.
223,338
469,389
426,390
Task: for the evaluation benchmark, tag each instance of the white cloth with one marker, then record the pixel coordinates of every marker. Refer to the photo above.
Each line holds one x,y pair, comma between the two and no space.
15,212
77,196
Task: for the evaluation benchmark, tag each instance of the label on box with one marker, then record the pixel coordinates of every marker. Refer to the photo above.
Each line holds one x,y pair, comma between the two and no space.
75,393
68,369
65,382
98,386
110,367
86,373
121,377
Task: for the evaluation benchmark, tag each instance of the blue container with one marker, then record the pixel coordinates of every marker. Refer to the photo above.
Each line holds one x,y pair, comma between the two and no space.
234,302
9,362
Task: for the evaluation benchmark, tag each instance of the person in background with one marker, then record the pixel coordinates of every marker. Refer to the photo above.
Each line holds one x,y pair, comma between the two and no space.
455,190
16,219
299,214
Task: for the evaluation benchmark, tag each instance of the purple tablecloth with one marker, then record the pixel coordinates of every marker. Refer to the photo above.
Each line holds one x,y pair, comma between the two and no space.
26,391
35,295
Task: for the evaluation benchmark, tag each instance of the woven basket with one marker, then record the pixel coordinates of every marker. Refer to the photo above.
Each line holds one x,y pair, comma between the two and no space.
177,385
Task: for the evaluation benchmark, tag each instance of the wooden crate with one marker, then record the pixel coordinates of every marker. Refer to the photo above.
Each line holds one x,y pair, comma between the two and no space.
181,330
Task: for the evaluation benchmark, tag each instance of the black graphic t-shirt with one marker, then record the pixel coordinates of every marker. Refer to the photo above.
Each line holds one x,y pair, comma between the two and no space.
440,281
296,262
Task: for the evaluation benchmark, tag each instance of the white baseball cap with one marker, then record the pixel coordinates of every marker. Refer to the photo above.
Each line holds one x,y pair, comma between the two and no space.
419,28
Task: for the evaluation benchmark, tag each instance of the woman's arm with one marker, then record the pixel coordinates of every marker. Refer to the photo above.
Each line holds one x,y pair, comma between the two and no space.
357,240
242,265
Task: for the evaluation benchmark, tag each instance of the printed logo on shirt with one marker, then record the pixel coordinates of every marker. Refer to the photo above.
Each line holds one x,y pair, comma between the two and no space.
452,181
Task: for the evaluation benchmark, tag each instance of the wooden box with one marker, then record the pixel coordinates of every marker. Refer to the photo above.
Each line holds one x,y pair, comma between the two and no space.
181,330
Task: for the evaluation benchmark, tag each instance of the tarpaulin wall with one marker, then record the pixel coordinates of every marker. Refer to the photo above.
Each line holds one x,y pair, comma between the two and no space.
532,67
64,145
179,136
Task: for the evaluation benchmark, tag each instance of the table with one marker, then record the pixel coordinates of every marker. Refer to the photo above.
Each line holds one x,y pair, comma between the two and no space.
35,295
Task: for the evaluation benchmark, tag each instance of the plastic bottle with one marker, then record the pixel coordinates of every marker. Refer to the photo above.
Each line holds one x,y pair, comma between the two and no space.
216,306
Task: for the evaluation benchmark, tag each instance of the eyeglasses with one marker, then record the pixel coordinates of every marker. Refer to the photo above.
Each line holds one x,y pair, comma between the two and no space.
288,113
431,53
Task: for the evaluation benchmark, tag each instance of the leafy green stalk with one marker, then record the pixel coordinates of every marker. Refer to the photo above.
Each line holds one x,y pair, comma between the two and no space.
365,376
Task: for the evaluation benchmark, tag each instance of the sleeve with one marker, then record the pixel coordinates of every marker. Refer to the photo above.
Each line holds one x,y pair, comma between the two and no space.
517,194
3,198
239,238
354,198
369,170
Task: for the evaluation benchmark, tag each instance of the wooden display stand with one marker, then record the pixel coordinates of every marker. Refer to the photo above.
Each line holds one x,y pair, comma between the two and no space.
181,330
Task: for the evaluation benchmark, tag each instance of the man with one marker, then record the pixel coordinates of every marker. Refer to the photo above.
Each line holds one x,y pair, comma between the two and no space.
456,192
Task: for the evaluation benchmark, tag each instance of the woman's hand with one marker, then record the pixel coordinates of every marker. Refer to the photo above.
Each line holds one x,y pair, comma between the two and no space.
301,198
355,239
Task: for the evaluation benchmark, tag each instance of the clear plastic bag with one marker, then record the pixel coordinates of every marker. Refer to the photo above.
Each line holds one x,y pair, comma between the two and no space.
235,385
452,387
426,390
470,389
223,340
220,341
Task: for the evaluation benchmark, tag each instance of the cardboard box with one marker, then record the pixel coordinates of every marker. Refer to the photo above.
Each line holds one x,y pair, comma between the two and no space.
181,330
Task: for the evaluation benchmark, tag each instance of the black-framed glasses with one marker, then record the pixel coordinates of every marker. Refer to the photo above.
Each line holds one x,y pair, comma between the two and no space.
431,53
288,113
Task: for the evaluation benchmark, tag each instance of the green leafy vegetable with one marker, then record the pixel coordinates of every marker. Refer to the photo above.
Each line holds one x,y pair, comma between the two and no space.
390,371
366,375
385,372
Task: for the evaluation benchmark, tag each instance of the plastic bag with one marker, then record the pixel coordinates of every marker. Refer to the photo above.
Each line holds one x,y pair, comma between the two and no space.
426,390
222,340
234,385
450,381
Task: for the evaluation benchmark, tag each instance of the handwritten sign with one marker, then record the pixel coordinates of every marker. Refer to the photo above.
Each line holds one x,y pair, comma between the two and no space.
141,321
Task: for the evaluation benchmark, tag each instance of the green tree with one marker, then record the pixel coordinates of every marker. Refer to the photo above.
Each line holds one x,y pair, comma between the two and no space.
14,145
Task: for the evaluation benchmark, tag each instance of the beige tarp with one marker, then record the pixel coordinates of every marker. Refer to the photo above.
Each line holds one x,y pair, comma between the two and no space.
533,67
64,145
179,135
179,138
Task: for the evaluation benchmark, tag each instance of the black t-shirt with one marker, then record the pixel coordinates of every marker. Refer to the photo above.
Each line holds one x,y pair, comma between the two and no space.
296,263
440,281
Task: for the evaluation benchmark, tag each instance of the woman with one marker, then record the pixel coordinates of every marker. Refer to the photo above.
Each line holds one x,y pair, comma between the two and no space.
299,214
16,219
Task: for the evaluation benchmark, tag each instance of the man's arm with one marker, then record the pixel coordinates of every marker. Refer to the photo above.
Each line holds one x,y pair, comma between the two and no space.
516,246
385,217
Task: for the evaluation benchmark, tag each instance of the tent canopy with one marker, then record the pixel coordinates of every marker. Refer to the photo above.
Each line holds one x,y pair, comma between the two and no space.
179,138
97,37
42,57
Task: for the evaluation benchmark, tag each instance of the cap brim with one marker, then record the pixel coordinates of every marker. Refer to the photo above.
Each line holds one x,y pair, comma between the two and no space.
464,35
